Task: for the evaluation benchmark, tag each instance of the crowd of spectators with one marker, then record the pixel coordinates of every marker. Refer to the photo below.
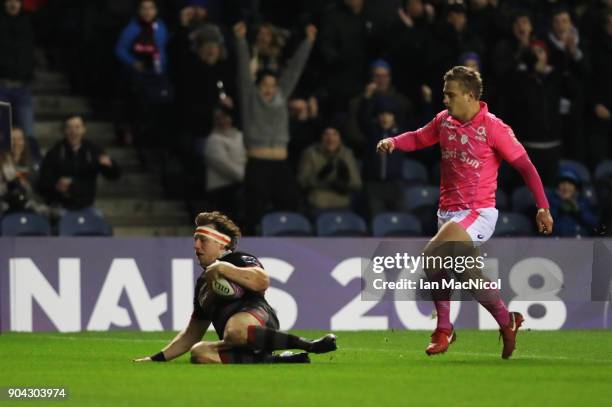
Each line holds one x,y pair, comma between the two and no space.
282,102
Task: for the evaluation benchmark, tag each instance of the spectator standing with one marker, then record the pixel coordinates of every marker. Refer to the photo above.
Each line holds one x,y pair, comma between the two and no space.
226,159
265,119
17,63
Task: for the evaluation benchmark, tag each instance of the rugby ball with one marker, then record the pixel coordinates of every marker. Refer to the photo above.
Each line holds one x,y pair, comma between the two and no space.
226,288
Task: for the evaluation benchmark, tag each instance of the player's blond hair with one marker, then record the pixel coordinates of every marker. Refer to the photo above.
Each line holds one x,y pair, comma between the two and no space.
222,223
469,79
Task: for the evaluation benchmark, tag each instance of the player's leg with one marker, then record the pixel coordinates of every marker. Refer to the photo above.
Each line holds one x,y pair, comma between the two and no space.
442,245
256,330
206,352
480,229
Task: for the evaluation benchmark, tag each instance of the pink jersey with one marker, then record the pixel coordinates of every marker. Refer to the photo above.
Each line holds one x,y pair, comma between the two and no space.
471,155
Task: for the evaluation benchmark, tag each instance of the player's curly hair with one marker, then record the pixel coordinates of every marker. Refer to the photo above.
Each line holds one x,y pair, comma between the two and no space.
222,223
469,79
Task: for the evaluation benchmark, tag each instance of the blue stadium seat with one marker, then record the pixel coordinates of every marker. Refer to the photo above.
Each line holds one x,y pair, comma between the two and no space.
84,222
340,223
501,200
579,168
523,202
285,224
513,224
423,203
413,172
418,197
389,224
24,224
603,168
590,194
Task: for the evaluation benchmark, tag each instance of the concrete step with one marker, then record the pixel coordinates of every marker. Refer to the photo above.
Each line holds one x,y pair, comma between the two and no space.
127,158
53,106
50,82
51,131
140,212
139,207
170,219
179,230
131,185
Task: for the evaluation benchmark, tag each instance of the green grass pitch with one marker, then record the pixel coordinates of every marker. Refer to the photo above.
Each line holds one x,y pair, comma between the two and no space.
383,368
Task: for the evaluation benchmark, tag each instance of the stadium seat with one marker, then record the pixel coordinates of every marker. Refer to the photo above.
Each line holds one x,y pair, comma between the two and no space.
501,200
396,224
603,169
523,202
418,197
589,193
84,222
513,224
413,172
285,224
579,168
423,203
24,224
340,224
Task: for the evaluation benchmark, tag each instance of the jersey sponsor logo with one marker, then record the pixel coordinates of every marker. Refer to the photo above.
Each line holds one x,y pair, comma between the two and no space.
481,134
463,156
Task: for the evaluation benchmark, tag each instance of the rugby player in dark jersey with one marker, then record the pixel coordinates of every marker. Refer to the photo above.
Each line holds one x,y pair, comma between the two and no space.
247,326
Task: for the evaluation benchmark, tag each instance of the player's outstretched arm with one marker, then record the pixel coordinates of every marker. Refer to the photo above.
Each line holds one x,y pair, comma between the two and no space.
252,278
413,140
181,343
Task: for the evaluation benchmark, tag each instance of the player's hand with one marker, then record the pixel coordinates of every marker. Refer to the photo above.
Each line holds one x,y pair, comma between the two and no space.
544,221
311,32
385,146
145,359
216,270
240,30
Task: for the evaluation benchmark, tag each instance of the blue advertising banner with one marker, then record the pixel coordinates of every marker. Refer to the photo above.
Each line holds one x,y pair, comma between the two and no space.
74,284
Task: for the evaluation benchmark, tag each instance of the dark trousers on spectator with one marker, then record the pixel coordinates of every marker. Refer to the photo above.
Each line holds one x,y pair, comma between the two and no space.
269,184
20,98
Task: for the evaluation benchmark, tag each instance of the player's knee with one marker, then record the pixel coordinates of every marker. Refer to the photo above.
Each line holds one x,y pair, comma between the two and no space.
235,335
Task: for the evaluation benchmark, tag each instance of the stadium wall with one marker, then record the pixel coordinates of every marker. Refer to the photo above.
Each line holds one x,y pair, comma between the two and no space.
74,284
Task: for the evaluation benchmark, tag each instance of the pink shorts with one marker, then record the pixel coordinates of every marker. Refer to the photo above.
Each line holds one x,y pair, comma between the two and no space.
478,223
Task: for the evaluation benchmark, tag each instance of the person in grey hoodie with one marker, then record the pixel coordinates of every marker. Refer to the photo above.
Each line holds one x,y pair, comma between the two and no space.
225,163
269,180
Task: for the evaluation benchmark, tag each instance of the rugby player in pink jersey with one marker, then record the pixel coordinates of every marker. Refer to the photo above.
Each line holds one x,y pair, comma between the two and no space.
473,142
